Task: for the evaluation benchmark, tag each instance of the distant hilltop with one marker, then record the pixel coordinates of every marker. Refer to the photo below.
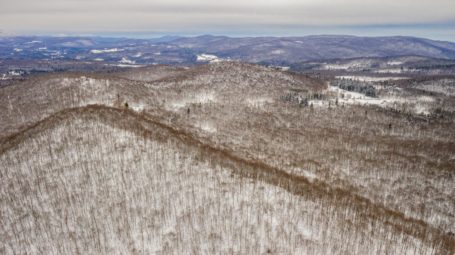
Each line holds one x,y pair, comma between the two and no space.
176,49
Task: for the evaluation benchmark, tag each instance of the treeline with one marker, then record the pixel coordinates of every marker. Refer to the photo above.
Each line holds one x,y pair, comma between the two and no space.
355,86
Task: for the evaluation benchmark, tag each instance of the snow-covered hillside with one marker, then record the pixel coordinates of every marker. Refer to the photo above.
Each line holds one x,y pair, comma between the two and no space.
226,158
93,182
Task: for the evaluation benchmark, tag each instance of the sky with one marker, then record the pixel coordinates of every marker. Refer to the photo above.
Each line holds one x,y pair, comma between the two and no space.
433,19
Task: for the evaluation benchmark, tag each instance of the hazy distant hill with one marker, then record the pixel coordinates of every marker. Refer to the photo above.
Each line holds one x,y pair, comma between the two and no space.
270,50
293,49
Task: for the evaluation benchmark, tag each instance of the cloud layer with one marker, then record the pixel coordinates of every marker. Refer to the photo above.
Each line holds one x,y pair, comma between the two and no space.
196,16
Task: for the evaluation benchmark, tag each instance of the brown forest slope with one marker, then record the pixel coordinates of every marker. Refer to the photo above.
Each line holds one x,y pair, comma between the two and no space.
364,212
387,165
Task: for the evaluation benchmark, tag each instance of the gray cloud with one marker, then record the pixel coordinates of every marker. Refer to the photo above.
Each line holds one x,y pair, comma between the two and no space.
203,15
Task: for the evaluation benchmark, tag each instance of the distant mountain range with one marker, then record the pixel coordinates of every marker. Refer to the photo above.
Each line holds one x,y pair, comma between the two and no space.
295,49
186,50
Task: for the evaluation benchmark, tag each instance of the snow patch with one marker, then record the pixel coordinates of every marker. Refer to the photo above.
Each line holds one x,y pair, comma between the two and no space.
395,63
306,231
258,101
176,105
355,98
137,107
427,99
105,51
124,65
309,175
419,104
204,98
391,70
15,73
207,126
359,64
421,109
201,98
282,68
207,58
278,52
125,60
336,67
370,78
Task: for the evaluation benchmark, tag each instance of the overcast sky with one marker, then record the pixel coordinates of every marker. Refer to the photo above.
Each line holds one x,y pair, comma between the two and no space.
433,19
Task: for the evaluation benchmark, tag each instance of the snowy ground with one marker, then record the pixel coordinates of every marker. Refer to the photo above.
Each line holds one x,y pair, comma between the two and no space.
417,104
392,158
371,78
119,193
106,51
198,98
208,58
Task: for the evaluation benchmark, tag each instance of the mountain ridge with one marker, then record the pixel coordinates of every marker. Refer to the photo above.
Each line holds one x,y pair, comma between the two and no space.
295,184
188,50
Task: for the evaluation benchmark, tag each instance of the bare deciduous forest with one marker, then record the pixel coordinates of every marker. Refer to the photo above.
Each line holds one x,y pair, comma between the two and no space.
226,158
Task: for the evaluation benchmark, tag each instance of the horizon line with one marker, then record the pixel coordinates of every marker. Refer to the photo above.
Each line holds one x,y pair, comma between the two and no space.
152,35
